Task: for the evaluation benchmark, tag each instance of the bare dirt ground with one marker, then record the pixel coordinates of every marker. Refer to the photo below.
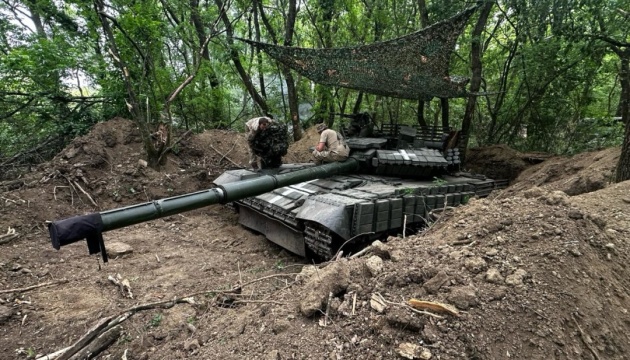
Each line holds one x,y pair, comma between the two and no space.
536,271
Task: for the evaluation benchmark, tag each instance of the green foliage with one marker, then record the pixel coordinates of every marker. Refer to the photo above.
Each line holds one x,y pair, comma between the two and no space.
547,73
156,320
407,191
280,265
437,182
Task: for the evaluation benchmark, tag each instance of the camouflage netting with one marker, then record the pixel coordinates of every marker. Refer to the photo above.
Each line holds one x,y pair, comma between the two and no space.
414,66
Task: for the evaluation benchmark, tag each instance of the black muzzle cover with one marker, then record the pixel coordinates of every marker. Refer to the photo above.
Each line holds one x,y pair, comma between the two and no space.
68,231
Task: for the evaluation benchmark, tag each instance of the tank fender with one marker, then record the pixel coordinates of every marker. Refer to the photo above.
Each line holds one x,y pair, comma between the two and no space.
336,217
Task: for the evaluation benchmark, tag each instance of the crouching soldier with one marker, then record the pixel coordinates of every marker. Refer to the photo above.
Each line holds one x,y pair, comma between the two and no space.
331,147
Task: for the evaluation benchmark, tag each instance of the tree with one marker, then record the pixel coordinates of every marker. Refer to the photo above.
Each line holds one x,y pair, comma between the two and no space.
289,20
607,22
475,57
156,143
234,55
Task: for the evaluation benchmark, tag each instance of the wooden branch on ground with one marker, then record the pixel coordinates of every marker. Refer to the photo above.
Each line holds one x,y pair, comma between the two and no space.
53,356
101,326
225,157
28,288
6,238
584,338
259,302
362,252
229,151
108,329
379,296
99,344
461,242
86,194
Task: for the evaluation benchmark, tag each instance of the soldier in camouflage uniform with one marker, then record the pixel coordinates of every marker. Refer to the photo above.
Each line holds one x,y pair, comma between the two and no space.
255,127
269,146
331,146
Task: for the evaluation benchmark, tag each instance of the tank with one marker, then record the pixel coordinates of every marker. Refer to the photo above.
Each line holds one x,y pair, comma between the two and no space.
401,176
395,177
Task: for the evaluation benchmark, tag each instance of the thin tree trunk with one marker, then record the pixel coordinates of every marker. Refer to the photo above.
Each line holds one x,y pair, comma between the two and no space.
623,166
292,94
424,22
258,52
424,14
445,117
216,107
357,105
288,75
476,67
132,100
247,80
421,120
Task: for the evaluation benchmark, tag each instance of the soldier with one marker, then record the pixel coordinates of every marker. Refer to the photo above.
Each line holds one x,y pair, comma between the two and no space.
254,127
331,147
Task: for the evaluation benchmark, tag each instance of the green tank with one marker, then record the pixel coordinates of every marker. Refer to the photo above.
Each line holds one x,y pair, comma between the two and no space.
394,178
399,176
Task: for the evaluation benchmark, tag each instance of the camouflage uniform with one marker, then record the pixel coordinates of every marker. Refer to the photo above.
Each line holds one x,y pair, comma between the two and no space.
335,148
270,145
252,126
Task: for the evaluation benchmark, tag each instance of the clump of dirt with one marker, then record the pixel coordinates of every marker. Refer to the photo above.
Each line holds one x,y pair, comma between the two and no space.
536,269
299,151
496,161
576,175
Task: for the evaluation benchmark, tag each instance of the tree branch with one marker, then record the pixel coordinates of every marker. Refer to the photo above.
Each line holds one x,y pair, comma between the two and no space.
608,40
113,20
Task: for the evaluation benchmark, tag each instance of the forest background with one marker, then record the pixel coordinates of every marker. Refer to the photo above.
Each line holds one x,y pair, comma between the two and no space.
546,75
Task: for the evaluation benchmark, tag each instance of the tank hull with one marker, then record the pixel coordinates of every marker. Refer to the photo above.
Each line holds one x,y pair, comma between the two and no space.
318,216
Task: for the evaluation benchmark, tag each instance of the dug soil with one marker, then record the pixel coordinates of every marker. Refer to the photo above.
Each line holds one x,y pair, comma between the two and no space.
535,271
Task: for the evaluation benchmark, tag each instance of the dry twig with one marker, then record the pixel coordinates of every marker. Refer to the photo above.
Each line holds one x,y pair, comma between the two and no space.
225,156
28,288
86,194
408,307
10,235
584,338
229,151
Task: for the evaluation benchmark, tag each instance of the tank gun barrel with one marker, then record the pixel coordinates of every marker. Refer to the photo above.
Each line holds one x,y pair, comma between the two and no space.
91,226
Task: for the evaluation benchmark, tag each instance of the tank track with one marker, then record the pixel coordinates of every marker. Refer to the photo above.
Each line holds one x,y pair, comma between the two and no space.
318,240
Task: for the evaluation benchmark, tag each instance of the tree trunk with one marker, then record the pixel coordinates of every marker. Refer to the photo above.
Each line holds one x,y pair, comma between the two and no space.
445,118
288,75
475,83
357,105
424,14
247,80
424,22
216,107
292,93
421,120
133,105
623,166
